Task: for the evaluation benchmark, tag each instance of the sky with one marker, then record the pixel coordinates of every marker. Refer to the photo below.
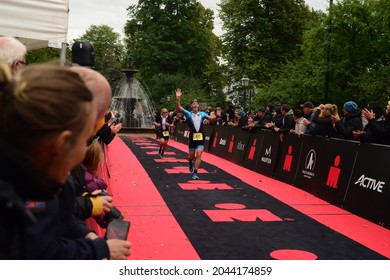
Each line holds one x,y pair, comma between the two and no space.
83,14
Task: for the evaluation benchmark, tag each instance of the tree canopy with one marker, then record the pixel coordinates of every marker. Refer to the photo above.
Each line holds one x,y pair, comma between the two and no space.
351,45
171,37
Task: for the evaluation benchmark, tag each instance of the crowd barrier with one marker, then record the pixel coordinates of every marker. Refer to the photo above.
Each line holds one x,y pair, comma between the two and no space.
348,174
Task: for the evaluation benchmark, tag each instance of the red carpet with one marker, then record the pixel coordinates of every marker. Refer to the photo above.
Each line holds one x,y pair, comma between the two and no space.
155,232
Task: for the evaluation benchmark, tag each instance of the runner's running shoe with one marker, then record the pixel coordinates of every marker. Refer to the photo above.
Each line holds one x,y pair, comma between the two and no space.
191,166
195,176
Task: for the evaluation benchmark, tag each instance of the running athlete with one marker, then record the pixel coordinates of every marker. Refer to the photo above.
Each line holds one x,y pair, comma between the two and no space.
163,122
196,139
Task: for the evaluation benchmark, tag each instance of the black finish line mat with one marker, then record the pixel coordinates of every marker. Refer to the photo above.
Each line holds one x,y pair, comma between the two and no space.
227,219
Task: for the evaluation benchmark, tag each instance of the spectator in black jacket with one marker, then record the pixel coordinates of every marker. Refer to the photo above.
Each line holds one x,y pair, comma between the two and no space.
58,113
376,131
352,121
324,125
288,122
58,234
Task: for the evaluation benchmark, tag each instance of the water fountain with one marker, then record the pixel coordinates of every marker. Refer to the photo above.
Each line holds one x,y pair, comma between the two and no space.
133,103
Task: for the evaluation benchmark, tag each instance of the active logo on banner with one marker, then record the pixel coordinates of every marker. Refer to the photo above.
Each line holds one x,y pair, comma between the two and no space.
370,183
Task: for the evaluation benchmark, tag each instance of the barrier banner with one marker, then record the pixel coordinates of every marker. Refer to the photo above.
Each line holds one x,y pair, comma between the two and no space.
338,164
226,140
208,135
173,133
182,133
224,137
368,193
253,150
240,145
289,154
311,166
269,152
214,139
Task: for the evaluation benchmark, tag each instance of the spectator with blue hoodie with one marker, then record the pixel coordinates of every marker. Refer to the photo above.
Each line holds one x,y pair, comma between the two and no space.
351,121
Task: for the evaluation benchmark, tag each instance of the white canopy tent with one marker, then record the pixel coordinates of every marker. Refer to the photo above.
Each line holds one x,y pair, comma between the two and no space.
36,23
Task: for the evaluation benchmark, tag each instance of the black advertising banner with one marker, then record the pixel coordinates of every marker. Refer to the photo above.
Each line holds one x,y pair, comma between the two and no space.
224,138
253,150
338,165
182,133
214,139
208,135
268,153
287,165
232,136
368,193
241,141
311,166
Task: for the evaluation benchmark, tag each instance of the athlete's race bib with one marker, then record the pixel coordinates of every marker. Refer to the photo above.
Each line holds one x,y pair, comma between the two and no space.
197,136
165,133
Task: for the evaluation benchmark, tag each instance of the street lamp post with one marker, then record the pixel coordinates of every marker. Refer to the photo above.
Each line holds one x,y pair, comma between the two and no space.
245,82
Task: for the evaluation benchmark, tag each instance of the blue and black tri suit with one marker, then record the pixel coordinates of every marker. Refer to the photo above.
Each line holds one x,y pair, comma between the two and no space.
195,123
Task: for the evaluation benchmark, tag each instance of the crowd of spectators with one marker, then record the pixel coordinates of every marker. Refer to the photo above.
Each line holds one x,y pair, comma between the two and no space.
370,124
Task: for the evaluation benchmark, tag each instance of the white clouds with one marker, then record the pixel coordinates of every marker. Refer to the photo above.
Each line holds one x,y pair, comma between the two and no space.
84,13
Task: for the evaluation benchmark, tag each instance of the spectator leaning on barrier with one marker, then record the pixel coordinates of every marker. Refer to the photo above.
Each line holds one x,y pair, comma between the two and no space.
351,121
380,132
288,122
324,123
308,113
300,127
278,117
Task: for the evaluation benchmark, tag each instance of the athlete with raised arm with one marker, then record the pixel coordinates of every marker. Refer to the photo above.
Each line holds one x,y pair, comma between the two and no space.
196,141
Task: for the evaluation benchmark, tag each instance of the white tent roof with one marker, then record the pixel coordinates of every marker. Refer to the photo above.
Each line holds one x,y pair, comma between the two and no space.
36,23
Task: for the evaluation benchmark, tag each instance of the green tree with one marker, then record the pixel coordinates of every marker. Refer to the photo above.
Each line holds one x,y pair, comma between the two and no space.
356,34
109,52
45,55
262,36
173,37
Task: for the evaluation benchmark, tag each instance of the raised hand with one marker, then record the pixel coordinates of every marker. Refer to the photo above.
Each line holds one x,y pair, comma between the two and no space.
178,93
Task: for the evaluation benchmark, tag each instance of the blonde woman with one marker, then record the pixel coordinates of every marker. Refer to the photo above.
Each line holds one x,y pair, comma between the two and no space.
163,123
324,125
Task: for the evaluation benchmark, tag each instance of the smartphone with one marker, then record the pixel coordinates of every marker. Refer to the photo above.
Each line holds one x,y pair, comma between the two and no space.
117,229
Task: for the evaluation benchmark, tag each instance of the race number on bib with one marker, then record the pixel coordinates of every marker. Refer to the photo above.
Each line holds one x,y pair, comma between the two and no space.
197,136
165,133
